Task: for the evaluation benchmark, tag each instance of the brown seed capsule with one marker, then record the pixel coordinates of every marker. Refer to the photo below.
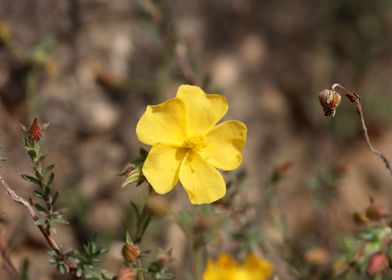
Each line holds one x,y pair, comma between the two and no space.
360,218
375,212
329,100
131,252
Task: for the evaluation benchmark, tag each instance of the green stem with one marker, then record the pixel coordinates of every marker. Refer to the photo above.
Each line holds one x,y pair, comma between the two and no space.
139,270
197,254
30,89
144,221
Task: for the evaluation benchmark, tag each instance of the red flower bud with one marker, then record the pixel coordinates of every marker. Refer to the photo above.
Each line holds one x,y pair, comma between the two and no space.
360,218
284,167
35,132
377,263
126,274
375,212
69,263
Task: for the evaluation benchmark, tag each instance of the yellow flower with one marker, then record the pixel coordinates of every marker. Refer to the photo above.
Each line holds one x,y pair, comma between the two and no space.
188,145
226,268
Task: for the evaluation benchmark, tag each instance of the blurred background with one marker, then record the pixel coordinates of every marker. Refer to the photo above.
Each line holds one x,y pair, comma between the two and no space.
89,67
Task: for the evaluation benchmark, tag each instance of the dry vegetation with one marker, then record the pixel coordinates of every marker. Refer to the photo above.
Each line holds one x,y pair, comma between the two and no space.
90,67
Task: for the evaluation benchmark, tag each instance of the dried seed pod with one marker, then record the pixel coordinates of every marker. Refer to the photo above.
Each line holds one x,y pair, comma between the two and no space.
131,252
329,100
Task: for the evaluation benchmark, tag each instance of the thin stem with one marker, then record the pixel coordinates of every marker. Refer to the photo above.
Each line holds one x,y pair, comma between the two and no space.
195,247
139,270
144,220
7,264
197,252
356,99
20,200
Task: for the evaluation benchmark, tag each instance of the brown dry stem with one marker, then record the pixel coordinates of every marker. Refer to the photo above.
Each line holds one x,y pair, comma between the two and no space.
20,200
7,264
356,99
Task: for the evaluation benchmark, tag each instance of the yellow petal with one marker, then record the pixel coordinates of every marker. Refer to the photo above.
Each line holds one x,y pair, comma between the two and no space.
202,182
260,268
161,167
224,144
221,269
204,110
163,123
226,261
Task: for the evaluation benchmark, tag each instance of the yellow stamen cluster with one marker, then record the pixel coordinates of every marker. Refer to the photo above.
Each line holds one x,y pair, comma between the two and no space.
195,143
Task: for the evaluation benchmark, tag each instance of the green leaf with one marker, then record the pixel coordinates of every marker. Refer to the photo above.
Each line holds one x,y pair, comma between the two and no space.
143,153
141,180
47,190
55,197
50,181
38,175
135,176
45,126
48,169
40,208
23,128
31,179
25,270
128,238
136,209
39,195
41,158
60,220
79,272
62,269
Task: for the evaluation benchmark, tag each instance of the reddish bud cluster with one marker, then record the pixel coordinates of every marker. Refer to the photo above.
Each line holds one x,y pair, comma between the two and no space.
35,132
375,212
360,218
69,263
126,274
284,167
377,263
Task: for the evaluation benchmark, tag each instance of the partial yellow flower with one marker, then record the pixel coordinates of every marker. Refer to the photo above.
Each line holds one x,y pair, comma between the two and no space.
226,268
188,145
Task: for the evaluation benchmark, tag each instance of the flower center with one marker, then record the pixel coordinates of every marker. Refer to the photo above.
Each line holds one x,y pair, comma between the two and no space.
195,143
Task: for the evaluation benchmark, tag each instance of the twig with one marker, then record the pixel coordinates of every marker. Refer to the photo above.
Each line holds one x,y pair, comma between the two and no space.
28,205
7,263
356,99
140,270
184,65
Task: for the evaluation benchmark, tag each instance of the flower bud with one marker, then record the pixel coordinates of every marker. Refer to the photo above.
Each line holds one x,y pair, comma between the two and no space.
126,274
377,263
69,263
317,256
374,212
329,100
35,131
284,167
360,218
131,252
202,225
132,174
